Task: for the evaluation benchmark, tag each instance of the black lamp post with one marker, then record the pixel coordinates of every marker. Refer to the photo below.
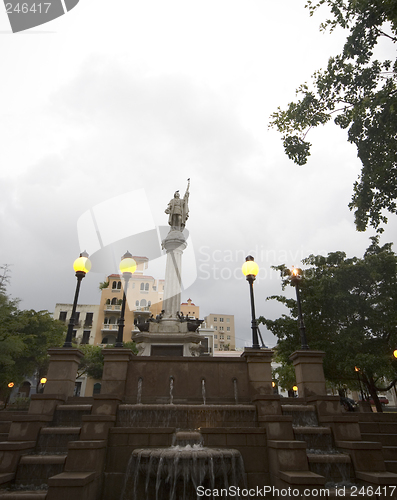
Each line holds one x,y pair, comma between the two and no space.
250,270
127,268
82,265
295,280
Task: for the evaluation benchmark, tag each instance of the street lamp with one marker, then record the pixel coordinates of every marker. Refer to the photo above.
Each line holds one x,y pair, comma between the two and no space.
250,270
82,265
127,268
357,370
295,280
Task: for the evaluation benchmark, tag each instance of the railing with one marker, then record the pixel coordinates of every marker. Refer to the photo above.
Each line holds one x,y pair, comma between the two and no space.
112,307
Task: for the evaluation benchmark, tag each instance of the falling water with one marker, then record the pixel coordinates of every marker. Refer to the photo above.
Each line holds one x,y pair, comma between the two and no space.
235,391
203,391
171,390
139,393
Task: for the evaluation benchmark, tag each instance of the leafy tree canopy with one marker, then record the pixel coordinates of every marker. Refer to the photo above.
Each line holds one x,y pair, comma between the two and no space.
360,92
350,312
25,337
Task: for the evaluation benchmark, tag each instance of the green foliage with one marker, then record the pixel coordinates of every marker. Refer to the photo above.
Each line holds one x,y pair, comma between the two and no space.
93,360
25,337
350,312
361,93
103,284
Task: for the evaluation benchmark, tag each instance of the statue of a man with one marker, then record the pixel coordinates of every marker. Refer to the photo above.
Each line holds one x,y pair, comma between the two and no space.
178,210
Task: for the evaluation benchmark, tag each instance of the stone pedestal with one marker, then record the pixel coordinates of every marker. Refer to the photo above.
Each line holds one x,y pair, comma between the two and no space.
62,371
115,371
309,373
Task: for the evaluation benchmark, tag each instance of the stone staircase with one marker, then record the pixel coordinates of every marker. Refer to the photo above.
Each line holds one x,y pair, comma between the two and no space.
48,456
382,428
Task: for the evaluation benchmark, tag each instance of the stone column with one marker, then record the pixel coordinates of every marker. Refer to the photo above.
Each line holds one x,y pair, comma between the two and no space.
309,373
174,244
260,380
62,371
115,371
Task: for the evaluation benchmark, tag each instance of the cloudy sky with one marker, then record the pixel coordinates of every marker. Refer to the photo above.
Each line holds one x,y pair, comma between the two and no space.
117,98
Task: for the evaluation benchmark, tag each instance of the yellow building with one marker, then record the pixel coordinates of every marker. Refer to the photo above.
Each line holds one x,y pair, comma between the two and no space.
144,298
190,309
224,335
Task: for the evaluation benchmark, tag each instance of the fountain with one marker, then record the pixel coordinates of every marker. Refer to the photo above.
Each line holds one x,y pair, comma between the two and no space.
177,472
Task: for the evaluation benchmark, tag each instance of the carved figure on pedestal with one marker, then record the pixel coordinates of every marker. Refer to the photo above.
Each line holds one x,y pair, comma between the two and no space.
178,210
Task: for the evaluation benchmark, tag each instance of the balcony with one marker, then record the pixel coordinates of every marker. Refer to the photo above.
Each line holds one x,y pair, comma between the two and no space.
112,307
106,327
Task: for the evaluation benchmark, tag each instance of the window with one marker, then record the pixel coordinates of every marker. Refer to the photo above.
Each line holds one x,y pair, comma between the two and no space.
76,317
228,328
88,319
228,337
215,328
215,336
215,319
221,320
216,346
62,316
114,301
221,328
142,286
147,287
86,337
114,285
119,285
154,288
143,303
149,303
137,303
227,320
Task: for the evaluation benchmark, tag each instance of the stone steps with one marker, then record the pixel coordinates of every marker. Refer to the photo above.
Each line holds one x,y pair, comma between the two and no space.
36,469
23,495
56,439
384,439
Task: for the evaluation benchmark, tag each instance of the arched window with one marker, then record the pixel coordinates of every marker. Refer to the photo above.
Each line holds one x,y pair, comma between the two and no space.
119,285
109,339
112,320
114,285
97,388
147,286
149,303
107,301
137,303
142,286
114,301
143,303
106,321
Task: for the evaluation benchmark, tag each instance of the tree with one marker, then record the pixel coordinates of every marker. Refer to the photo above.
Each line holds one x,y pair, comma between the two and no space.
350,311
361,93
92,362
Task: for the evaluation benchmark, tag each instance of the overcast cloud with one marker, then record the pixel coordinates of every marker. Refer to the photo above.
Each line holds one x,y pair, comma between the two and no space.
119,96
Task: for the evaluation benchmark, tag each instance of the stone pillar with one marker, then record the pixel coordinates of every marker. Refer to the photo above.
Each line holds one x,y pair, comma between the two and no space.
260,381
115,371
62,371
174,244
309,373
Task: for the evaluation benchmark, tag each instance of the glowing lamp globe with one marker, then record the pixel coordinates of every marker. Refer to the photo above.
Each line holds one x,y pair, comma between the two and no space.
395,353
250,267
11,385
127,264
295,388
43,380
82,264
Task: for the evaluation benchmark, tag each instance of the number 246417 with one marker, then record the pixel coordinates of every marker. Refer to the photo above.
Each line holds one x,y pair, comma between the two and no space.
24,8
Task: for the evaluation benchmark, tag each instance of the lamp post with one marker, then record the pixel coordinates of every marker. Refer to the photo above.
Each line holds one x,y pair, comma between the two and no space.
82,265
295,280
250,270
127,268
357,370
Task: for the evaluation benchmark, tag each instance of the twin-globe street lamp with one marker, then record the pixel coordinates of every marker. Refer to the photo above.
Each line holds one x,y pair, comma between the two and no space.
82,266
250,270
